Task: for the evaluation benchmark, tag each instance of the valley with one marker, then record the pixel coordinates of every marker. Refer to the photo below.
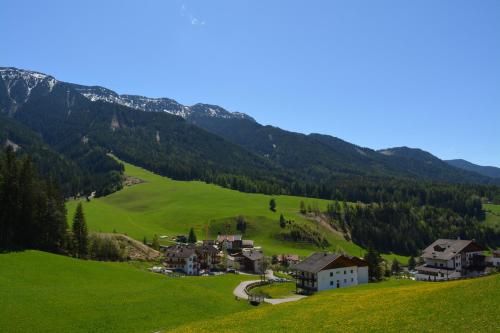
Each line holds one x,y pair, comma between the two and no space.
167,207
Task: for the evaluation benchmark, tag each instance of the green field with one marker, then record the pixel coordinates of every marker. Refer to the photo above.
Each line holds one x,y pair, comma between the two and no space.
394,306
166,207
275,290
493,216
41,292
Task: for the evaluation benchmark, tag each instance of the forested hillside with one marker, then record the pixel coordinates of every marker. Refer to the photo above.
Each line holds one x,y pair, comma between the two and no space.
70,130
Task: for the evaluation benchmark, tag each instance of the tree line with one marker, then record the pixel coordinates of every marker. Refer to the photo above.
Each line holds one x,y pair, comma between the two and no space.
33,215
405,228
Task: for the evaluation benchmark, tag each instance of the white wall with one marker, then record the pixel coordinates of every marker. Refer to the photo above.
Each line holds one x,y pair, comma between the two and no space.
346,276
363,275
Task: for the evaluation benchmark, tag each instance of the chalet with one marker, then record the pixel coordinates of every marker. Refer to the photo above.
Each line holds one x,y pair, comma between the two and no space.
182,258
323,271
249,260
447,259
208,256
230,242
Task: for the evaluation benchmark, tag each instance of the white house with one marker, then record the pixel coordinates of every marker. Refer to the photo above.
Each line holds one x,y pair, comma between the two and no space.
447,259
323,271
183,258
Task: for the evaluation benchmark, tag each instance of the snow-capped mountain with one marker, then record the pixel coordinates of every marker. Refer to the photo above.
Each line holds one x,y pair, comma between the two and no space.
158,104
19,84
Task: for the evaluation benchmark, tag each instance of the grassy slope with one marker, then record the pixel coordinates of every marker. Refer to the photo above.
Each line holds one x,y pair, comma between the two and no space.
493,216
276,290
166,207
395,306
41,292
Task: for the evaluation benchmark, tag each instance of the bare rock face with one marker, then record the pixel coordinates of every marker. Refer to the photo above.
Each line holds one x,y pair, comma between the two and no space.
114,123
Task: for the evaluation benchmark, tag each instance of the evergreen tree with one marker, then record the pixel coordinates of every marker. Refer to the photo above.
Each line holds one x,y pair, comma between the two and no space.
395,267
155,244
80,233
241,224
192,236
412,263
282,221
272,205
374,260
302,207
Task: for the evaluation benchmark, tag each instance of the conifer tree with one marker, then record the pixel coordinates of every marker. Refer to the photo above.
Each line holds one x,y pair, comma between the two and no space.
155,244
412,263
80,233
395,267
282,221
272,205
192,236
374,260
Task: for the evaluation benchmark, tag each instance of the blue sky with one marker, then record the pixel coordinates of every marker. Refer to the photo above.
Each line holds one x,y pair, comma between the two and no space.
376,73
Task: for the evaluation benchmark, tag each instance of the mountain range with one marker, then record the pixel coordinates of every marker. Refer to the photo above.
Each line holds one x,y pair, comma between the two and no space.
84,123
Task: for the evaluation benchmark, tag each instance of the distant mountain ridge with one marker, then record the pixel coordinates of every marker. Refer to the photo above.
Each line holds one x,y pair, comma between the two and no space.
220,142
488,171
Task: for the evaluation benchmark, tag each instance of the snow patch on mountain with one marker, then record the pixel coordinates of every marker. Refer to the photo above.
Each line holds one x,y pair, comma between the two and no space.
20,83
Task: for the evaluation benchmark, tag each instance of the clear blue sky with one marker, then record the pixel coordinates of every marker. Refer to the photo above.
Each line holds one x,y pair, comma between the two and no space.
376,73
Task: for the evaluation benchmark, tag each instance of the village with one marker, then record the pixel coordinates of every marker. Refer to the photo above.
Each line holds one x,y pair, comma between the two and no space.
443,260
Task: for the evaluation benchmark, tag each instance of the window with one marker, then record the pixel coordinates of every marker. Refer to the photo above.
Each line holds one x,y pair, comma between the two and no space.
331,283
345,272
352,271
352,280
345,280
331,273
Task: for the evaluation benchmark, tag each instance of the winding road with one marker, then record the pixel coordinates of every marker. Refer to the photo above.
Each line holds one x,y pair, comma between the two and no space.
240,292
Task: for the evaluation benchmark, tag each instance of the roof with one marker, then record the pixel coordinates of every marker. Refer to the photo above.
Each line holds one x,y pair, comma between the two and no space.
253,255
207,249
446,249
315,262
318,261
180,251
229,238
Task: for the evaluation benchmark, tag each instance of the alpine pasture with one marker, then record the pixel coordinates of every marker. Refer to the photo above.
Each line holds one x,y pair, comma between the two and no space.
167,207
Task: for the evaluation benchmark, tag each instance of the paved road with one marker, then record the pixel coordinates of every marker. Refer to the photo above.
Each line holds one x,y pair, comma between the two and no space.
240,292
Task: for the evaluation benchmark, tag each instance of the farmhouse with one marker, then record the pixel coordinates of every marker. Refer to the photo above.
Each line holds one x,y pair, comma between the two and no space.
190,259
323,271
447,259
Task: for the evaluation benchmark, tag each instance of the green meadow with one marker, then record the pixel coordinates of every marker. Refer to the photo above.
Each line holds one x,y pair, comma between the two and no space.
393,306
167,207
42,292
493,215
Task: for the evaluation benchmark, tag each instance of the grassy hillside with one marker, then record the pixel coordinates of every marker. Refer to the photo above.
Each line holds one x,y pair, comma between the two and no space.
493,216
395,306
41,292
166,207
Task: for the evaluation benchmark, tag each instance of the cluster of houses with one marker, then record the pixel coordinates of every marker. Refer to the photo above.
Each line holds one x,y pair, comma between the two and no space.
445,259
194,259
